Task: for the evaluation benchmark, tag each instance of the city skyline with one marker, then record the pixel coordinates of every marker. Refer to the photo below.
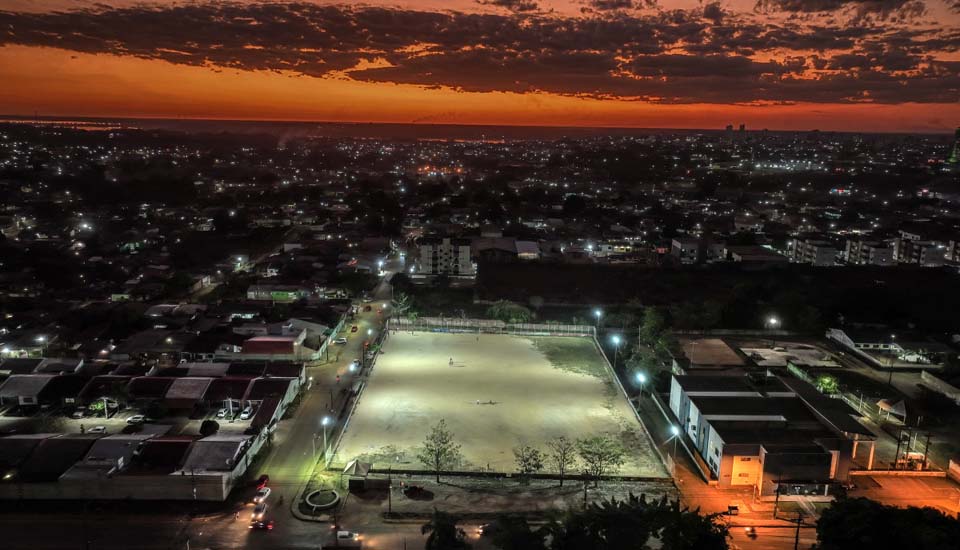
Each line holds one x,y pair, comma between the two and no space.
782,65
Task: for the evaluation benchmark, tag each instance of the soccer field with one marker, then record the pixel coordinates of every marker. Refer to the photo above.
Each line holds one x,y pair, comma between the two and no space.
530,390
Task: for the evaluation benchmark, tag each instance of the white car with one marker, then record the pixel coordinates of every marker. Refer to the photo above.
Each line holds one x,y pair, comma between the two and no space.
347,535
222,413
340,341
137,419
259,511
262,495
246,414
97,430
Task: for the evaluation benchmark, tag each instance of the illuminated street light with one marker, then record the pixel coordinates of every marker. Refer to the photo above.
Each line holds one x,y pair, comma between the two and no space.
642,380
325,422
772,324
616,346
675,431
598,314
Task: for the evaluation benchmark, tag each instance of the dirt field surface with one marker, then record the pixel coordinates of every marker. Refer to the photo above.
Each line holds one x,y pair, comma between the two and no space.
495,392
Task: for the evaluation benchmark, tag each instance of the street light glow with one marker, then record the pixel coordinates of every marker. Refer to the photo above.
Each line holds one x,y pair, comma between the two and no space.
325,421
615,339
642,378
675,430
597,313
773,321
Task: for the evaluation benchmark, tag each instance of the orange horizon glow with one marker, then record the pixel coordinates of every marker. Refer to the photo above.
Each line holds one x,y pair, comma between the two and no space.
105,82
135,88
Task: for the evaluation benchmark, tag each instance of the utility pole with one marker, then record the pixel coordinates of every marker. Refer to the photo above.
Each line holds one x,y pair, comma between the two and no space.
796,540
926,449
896,456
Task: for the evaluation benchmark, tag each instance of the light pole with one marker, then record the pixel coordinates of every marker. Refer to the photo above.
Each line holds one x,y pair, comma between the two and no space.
772,323
642,380
598,314
616,346
676,435
379,267
43,348
325,422
893,339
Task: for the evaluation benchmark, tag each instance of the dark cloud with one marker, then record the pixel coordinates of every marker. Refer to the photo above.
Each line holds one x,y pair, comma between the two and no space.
671,56
861,8
713,12
604,5
512,5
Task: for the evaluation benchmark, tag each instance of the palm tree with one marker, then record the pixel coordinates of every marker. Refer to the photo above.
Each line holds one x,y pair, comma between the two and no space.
443,533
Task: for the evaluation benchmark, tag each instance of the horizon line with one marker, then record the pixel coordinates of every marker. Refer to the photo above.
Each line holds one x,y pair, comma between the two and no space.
38,117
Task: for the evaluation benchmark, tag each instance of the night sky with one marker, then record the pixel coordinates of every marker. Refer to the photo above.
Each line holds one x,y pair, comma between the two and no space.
884,65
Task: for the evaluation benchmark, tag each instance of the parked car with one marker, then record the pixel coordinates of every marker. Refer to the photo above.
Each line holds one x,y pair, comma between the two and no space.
262,481
246,414
97,430
259,511
340,341
137,419
262,525
347,536
222,413
80,412
488,529
261,495
354,328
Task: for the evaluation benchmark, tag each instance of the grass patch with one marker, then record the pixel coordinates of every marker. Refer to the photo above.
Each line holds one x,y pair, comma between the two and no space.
577,355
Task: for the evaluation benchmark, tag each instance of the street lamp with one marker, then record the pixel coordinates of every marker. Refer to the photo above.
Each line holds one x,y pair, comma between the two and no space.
772,324
598,314
616,346
325,422
893,339
676,435
380,266
642,380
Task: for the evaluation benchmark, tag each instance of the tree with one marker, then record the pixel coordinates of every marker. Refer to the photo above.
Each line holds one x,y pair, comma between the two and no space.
402,302
209,427
562,455
536,302
652,325
827,384
514,533
439,450
443,533
529,460
863,523
600,454
509,312
682,529
635,524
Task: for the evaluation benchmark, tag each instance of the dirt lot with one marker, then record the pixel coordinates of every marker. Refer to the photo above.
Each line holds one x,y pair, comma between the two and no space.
529,390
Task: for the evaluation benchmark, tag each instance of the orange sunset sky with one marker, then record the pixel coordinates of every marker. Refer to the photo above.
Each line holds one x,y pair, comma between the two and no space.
877,65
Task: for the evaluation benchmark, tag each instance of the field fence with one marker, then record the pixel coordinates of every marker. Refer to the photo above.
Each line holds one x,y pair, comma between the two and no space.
488,326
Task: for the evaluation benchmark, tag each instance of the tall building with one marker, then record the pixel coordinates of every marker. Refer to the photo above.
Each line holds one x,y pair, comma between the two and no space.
445,256
955,154
868,253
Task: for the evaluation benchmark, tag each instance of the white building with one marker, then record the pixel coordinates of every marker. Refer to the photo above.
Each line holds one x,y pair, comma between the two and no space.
685,249
445,256
868,253
814,252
